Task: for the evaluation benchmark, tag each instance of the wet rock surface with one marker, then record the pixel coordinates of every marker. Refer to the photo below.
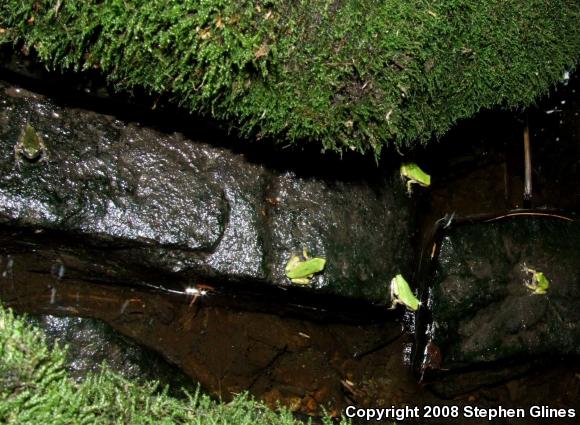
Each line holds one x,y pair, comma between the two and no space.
227,349
91,344
484,312
303,364
334,218
153,203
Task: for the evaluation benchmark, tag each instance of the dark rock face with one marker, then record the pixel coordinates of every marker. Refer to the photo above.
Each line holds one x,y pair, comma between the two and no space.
92,343
349,222
483,313
145,201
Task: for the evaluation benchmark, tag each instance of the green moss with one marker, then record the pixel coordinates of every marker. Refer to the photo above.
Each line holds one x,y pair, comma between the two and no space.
349,74
35,389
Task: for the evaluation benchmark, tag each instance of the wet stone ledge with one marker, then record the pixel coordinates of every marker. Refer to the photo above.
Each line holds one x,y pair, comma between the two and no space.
149,203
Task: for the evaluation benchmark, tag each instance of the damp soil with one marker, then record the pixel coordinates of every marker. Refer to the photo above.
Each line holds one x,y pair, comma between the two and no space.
308,359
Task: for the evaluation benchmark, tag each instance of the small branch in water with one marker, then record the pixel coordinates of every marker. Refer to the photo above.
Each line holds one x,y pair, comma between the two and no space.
528,165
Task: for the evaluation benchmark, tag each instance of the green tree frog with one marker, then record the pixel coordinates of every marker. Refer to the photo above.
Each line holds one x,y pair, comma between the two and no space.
539,283
300,271
401,294
30,146
414,175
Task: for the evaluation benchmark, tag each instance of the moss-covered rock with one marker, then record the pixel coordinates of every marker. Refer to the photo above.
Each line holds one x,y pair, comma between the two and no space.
349,74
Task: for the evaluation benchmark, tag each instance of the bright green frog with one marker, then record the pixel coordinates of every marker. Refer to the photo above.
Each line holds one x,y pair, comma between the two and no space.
401,293
414,175
539,284
301,271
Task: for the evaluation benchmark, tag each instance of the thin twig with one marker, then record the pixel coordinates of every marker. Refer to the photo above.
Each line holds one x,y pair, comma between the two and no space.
528,165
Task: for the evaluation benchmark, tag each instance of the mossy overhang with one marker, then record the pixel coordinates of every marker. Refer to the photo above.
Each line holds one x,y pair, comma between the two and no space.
346,74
